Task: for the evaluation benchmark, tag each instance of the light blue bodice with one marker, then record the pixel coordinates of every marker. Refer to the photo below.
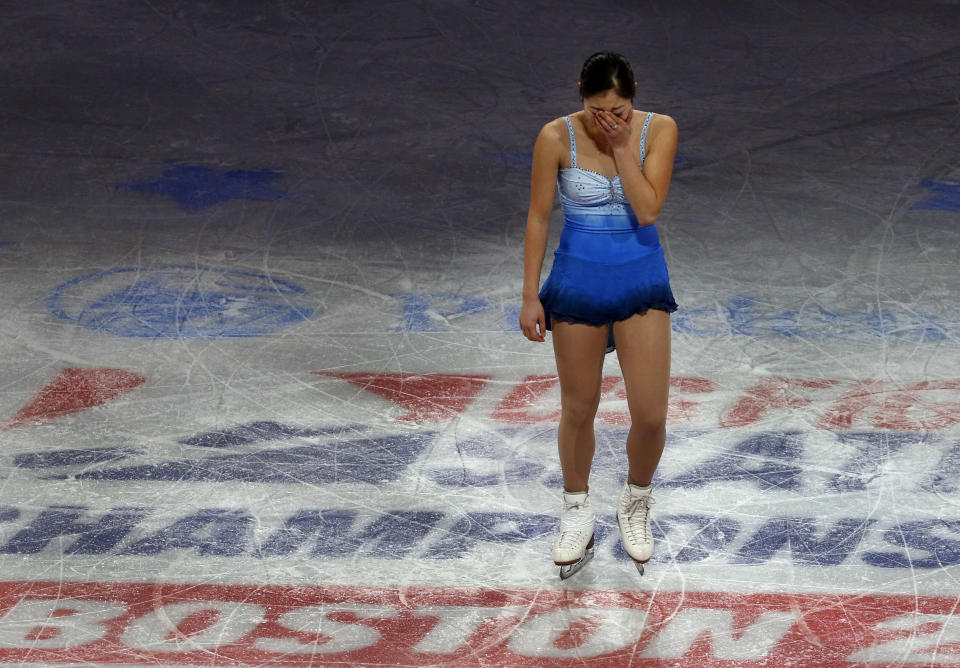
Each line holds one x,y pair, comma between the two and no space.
583,191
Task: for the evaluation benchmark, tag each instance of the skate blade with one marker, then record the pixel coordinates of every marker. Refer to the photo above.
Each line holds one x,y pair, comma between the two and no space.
639,565
572,569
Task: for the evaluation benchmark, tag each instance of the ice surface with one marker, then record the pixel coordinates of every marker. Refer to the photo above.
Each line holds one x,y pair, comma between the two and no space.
264,398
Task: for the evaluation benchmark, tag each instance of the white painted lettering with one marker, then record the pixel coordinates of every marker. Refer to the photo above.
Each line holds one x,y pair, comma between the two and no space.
455,625
616,628
917,647
689,624
315,620
56,624
194,625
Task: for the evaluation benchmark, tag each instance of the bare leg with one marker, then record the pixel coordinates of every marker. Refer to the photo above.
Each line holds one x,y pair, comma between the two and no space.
579,350
643,348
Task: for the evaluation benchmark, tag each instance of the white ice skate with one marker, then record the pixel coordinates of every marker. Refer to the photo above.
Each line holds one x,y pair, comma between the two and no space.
574,545
633,516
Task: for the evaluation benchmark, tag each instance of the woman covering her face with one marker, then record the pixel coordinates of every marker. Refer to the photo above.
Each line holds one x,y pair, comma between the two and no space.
608,289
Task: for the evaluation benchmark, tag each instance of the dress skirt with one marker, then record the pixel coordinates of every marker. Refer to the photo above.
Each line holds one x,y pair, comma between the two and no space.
605,269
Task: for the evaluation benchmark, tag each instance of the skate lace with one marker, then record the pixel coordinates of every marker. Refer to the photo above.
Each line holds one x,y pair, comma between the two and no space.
636,512
573,524
569,539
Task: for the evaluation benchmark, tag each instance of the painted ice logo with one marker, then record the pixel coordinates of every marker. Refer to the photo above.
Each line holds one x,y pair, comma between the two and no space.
943,196
316,456
97,623
181,302
855,446
195,187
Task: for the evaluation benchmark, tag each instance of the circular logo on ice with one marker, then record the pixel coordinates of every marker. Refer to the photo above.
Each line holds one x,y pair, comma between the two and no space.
180,302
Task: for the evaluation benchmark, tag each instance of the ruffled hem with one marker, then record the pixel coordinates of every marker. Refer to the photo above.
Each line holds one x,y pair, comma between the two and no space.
611,343
668,307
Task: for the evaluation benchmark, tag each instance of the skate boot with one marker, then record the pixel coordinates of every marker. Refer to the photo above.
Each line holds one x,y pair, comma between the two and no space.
574,545
633,516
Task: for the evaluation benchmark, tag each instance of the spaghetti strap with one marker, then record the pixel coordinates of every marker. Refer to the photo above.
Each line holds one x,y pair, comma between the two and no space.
573,143
643,138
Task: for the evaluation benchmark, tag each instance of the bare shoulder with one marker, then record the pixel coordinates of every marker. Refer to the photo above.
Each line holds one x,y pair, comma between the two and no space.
662,135
663,119
555,130
552,136
663,124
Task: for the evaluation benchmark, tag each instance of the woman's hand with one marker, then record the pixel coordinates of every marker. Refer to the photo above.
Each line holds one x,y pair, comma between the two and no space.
615,129
533,321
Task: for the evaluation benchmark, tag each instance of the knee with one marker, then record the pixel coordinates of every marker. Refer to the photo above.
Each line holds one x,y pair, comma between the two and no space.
578,412
648,425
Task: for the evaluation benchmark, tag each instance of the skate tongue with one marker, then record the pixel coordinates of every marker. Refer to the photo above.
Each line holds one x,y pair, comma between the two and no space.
639,493
635,503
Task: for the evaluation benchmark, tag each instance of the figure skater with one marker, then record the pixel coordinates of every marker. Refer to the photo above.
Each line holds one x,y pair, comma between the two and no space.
608,289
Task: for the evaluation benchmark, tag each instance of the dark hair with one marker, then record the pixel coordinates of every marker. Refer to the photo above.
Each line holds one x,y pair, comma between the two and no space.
604,71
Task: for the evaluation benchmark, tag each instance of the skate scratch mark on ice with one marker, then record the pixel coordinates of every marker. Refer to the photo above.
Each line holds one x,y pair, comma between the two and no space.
342,284
59,355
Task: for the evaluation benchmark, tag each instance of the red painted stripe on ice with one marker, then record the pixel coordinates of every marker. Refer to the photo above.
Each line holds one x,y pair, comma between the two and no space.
527,403
246,625
75,390
769,394
428,397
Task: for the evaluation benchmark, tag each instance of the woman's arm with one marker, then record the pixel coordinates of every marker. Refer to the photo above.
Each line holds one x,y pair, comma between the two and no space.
543,183
646,189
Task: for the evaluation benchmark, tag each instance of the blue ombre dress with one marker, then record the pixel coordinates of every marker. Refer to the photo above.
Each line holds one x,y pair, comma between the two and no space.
607,266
